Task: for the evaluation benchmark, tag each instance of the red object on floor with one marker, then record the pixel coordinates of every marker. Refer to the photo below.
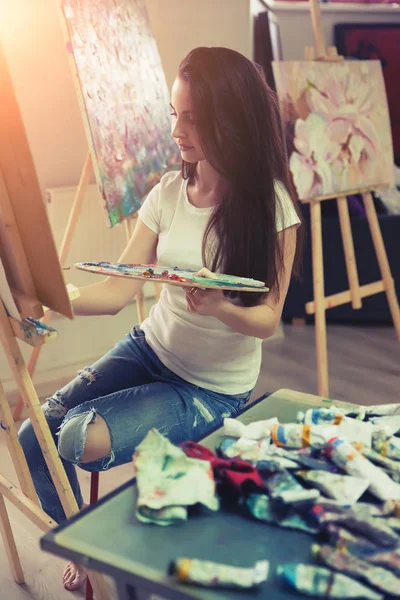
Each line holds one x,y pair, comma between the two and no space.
94,496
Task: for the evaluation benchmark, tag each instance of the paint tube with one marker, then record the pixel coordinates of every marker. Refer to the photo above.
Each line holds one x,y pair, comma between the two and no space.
378,577
372,528
260,453
362,548
346,456
295,435
381,410
356,431
263,508
245,449
320,416
257,430
392,423
391,449
347,427
211,574
391,508
169,515
343,488
394,523
310,458
283,486
323,583
383,429
379,458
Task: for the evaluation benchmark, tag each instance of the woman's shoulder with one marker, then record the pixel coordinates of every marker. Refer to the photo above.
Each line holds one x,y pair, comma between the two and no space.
171,182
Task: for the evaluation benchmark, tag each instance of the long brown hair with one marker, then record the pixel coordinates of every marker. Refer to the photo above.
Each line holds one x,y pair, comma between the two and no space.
237,119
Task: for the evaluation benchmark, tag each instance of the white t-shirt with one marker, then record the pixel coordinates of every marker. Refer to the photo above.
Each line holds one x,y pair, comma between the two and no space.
198,348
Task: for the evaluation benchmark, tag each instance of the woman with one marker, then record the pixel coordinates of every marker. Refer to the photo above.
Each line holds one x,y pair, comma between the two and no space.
197,357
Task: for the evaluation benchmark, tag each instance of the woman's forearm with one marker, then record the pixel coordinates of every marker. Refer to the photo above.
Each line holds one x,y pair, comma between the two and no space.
106,297
255,321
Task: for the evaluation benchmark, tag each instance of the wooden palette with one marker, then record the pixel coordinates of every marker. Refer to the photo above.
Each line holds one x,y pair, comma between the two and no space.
174,276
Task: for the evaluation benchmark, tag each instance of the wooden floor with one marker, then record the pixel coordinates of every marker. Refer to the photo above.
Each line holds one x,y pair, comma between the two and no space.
364,365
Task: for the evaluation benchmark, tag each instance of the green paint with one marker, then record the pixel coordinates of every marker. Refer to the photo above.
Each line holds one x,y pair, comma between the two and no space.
114,216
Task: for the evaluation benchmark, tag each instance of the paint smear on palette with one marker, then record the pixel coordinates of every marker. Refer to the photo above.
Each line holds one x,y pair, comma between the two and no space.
125,97
173,275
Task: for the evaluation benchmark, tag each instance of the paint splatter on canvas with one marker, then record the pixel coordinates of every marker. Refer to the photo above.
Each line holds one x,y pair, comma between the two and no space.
125,97
337,127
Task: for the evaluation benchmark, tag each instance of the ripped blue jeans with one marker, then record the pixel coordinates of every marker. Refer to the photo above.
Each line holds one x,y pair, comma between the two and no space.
133,391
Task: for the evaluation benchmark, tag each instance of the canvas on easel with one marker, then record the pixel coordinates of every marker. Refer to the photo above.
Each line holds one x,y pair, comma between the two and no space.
336,121
27,250
124,100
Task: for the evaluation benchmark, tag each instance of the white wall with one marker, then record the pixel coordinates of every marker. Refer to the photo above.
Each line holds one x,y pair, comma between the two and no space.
33,42
34,46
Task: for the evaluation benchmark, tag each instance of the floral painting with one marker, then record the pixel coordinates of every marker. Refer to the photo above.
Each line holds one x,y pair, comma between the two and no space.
124,97
336,121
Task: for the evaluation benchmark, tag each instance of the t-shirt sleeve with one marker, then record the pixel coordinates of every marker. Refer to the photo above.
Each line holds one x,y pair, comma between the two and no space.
150,212
286,215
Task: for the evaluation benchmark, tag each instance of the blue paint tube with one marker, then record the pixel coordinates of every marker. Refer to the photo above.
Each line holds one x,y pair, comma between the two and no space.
320,582
263,508
320,416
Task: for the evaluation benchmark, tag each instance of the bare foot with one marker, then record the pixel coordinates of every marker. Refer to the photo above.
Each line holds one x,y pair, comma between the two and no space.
74,577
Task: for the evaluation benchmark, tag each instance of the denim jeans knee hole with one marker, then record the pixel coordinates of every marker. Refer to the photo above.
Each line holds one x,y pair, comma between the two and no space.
72,436
55,406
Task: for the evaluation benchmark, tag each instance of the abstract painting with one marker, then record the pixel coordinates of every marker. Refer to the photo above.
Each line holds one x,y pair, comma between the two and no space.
124,97
336,122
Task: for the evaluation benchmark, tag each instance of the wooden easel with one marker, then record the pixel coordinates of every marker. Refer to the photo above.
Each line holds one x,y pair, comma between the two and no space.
356,292
84,181
30,260
89,169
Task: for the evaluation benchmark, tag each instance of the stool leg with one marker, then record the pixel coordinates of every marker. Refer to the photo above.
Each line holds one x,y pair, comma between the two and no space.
94,487
94,496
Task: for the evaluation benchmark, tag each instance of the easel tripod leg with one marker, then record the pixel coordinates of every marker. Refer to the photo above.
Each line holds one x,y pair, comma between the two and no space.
319,299
348,247
383,261
9,543
42,432
15,449
64,250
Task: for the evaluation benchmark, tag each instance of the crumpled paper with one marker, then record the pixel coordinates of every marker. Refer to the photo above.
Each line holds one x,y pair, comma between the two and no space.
168,481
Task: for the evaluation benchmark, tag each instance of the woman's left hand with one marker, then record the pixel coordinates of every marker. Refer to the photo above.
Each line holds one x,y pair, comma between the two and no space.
205,302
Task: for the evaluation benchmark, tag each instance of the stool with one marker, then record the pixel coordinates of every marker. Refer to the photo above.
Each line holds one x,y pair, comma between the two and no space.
94,496
94,487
